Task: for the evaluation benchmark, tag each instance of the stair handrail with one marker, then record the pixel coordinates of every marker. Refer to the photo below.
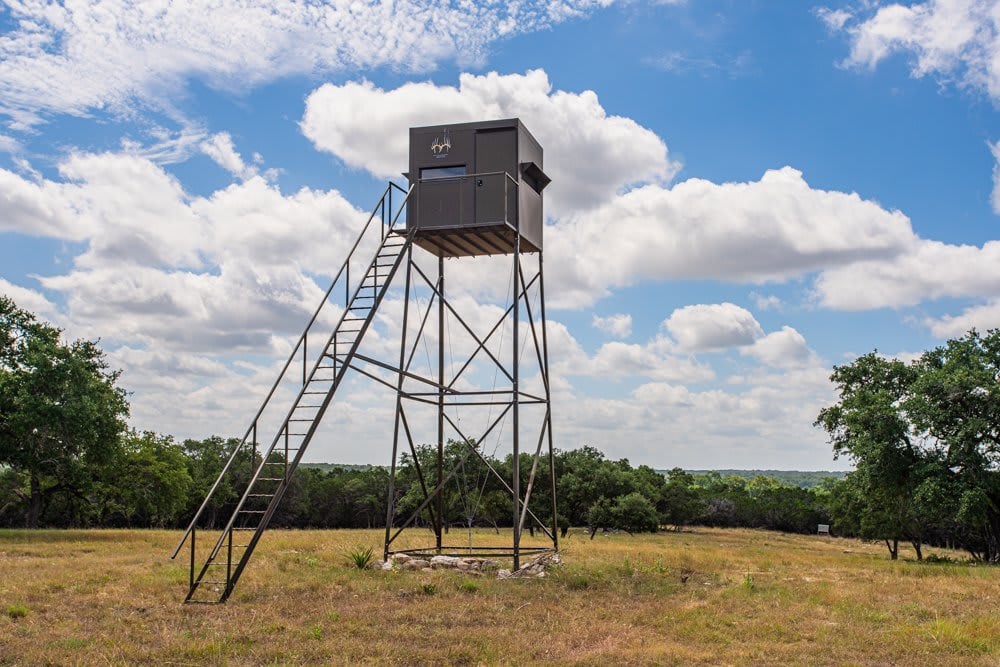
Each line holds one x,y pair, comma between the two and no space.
285,424
387,193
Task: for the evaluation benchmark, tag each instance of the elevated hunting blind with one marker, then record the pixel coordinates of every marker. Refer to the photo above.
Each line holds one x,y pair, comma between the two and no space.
475,189
478,186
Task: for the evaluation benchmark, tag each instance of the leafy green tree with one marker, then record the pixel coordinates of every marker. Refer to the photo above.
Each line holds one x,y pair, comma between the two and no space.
600,516
205,460
925,438
870,426
61,410
956,403
585,476
577,471
146,484
680,502
634,513
470,494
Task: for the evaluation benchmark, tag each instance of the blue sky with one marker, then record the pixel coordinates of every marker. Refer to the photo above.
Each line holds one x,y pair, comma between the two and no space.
745,193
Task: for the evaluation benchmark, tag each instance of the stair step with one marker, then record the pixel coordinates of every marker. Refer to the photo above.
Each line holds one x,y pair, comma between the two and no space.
252,512
242,528
260,495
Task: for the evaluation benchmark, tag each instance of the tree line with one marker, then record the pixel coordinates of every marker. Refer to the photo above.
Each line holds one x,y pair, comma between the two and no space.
151,480
924,438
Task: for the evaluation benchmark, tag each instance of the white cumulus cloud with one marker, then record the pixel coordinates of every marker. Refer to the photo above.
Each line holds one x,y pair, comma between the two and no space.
618,325
786,348
929,270
163,267
29,299
713,326
773,229
589,154
980,317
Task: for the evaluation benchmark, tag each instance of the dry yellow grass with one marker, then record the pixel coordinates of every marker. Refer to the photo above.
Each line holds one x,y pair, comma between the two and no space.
706,596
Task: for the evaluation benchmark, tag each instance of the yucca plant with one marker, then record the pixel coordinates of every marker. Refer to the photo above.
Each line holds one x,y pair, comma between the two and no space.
361,557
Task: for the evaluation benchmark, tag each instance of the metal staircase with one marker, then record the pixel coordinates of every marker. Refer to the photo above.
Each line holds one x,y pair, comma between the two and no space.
272,467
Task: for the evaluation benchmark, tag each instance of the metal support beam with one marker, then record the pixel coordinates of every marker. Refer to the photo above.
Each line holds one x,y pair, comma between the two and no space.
440,450
515,364
548,398
390,510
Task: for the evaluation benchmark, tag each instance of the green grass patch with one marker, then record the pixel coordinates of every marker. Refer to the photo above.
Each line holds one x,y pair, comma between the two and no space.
16,611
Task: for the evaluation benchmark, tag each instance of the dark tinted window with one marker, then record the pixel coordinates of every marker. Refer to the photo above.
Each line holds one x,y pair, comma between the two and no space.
441,172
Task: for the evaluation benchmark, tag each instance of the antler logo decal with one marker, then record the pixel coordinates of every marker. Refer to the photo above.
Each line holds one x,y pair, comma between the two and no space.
440,147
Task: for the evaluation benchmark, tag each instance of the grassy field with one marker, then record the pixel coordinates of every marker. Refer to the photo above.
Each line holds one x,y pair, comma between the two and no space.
705,596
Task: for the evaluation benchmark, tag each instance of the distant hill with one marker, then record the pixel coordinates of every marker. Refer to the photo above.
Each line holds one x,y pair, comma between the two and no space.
806,479
327,467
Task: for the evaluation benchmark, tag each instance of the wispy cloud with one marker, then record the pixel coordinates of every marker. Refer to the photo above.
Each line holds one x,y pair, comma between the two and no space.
111,55
677,62
954,40
9,144
165,146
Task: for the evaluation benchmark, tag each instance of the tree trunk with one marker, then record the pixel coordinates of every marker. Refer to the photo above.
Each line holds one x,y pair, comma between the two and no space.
916,547
893,547
34,501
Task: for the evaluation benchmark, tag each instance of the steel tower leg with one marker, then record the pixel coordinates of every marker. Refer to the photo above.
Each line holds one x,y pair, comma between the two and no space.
440,450
516,461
